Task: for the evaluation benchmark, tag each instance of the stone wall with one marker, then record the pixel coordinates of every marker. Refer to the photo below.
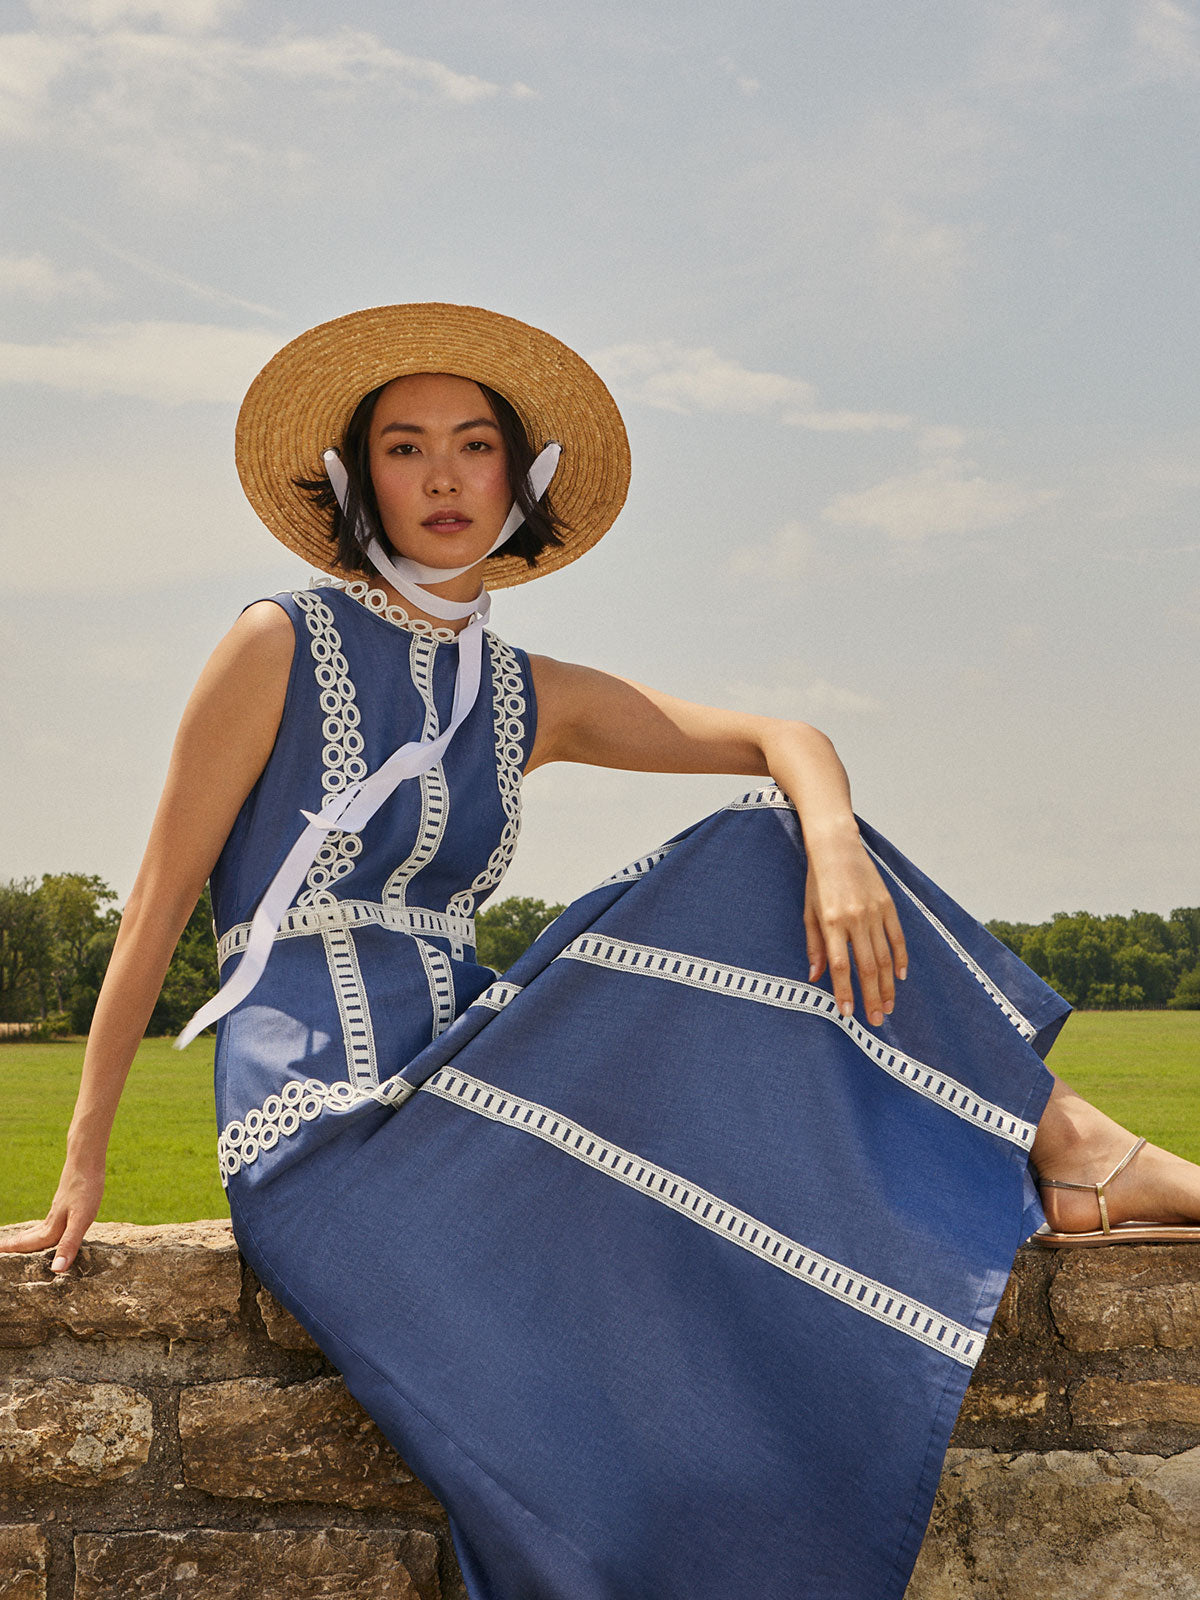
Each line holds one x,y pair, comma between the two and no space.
168,1432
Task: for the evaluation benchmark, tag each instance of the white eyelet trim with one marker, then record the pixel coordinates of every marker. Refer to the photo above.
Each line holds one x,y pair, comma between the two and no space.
342,754
508,709
377,601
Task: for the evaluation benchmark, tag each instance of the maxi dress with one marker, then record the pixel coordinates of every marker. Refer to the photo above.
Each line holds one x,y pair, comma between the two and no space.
665,1277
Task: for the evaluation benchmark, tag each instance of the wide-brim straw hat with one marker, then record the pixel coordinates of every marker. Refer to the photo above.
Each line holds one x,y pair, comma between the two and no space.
301,401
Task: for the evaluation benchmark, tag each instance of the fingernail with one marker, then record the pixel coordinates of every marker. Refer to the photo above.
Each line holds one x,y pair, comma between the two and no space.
876,1018
889,1008
59,1264
902,973
847,1008
812,972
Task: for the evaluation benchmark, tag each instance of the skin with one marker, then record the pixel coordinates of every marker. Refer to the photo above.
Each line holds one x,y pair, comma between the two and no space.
440,477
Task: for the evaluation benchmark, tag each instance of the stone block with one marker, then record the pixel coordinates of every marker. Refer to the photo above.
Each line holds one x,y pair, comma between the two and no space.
282,1327
257,1438
1134,1295
1067,1525
179,1282
22,1562
1015,1400
56,1431
1121,1403
279,1564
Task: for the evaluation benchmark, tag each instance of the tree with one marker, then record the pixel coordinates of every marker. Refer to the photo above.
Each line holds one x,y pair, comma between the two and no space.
1187,995
192,976
506,930
78,906
26,944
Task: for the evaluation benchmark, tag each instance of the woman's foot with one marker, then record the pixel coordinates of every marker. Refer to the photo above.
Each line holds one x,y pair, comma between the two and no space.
1076,1143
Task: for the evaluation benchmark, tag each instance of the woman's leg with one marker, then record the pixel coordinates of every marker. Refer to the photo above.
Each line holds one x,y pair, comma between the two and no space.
1079,1144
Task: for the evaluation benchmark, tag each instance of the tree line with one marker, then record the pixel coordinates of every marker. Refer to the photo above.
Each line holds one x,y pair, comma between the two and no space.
57,934
1113,963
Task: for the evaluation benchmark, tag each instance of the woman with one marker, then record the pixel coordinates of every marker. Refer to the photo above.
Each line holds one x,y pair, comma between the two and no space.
663,1262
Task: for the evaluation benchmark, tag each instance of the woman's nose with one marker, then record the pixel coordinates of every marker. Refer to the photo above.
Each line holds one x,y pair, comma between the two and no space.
441,478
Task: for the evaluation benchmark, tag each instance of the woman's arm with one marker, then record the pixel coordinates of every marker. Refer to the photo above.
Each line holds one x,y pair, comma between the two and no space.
224,739
606,721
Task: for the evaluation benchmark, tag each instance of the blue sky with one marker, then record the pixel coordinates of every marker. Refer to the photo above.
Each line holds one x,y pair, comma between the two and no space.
900,304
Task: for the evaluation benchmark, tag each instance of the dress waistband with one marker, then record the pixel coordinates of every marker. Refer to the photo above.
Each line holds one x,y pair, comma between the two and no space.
416,921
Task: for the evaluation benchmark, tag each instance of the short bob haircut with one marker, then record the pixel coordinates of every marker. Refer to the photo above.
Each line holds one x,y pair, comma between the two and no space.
540,528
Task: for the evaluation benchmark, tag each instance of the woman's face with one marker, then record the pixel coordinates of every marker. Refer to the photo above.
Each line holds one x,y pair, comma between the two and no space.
439,468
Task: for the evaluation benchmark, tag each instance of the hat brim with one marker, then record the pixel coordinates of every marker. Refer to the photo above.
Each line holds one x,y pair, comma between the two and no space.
301,401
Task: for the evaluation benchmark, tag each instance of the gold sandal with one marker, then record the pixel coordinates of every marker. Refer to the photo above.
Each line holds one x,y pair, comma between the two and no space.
1124,1232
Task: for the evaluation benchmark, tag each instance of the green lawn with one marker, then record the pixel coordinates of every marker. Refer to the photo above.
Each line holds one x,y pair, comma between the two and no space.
162,1163
1143,1067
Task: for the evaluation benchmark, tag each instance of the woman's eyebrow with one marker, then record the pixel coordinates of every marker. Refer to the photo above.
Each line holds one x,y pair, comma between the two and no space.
459,427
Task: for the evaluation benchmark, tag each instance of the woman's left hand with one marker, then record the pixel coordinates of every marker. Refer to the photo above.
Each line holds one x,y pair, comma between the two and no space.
848,911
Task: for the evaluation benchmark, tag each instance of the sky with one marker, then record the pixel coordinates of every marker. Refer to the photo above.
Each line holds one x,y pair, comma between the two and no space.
899,304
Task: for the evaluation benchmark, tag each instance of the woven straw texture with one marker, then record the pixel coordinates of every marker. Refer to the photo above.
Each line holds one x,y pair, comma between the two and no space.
303,398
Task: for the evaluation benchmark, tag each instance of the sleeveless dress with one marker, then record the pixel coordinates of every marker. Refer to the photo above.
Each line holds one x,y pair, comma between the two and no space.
666,1278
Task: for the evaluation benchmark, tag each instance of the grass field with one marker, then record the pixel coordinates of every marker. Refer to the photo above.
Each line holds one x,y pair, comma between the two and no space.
1143,1067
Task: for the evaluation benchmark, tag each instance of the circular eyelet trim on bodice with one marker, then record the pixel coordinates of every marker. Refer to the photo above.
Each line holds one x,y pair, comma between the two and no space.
377,601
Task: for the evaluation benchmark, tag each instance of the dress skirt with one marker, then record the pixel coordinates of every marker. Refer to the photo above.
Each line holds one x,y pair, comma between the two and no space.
667,1279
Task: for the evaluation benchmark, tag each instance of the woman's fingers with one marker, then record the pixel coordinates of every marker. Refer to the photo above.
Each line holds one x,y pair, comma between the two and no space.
838,947
63,1228
895,934
869,970
851,920
68,1244
816,945
27,1237
23,1237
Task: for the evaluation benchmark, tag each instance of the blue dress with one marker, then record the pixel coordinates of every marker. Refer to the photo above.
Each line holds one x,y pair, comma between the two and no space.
666,1278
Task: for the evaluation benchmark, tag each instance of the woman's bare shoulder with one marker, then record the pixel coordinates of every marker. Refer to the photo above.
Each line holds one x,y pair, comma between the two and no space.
261,642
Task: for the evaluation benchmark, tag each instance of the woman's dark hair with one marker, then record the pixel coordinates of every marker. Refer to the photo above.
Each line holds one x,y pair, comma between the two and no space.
540,528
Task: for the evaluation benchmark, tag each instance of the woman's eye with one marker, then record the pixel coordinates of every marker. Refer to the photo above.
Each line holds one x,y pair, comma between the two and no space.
404,449
478,445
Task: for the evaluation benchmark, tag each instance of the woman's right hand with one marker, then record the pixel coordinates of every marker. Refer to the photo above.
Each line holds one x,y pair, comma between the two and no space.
72,1212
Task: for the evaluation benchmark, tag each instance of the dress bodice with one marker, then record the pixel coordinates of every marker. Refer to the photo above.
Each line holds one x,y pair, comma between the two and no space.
376,955
359,687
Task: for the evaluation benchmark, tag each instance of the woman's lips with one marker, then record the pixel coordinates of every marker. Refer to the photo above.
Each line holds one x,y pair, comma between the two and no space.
447,522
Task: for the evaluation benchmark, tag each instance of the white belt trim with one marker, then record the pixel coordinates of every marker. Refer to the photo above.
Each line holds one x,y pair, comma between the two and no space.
301,920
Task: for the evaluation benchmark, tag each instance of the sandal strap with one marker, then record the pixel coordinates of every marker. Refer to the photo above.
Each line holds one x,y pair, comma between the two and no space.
1097,1188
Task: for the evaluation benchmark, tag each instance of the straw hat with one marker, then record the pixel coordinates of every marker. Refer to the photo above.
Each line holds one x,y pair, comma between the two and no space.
303,398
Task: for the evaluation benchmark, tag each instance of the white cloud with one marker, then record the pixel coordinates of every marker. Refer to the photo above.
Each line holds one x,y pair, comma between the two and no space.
29,64
789,553
168,362
186,16
349,56
686,378
170,108
939,498
1166,42
940,439
36,277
